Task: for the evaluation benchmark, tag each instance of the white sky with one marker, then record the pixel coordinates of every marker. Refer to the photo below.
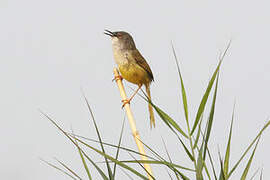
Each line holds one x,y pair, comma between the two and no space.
50,49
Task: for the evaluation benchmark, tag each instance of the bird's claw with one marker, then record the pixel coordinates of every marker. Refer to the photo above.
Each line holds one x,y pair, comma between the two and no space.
125,101
119,77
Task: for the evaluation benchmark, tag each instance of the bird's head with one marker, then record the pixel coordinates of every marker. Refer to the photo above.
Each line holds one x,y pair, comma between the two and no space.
121,39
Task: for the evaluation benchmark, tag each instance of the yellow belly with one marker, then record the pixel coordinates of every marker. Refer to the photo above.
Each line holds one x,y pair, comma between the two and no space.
134,73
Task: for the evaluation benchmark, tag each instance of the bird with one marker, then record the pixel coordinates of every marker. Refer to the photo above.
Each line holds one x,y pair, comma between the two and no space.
132,66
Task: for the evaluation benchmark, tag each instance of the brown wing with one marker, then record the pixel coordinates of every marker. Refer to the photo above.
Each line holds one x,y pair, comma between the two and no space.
142,62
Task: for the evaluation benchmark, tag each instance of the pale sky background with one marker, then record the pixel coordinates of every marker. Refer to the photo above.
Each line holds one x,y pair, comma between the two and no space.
50,49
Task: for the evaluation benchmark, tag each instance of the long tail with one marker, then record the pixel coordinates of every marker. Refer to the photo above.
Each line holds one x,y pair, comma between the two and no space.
151,112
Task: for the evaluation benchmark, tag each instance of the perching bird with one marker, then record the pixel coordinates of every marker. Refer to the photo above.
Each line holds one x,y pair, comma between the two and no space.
132,65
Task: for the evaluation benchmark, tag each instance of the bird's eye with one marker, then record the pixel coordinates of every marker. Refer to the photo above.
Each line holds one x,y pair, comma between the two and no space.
119,35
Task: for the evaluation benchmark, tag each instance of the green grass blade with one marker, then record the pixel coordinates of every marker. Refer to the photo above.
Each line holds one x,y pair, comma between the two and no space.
210,119
142,167
160,162
204,99
228,149
207,92
169,121
118,148
221,175
70,138
104,177
152,151
59,169
184,177
187,151
165,117
167,152
70,170
204,163
206,170
83,161
98,169
163,161
169,165
211,160
184,96
212,164
114,146
99,138
244,175
198,134
119,163
199,165
248,148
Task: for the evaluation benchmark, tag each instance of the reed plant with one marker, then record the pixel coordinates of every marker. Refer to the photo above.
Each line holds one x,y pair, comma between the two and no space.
194,143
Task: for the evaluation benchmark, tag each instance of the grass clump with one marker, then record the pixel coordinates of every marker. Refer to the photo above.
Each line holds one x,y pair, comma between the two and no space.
194,142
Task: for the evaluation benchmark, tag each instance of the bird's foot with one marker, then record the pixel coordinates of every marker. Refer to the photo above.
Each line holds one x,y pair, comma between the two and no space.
125,101
119,77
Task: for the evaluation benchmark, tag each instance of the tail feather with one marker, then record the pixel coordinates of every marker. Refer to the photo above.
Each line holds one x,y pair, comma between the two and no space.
151,112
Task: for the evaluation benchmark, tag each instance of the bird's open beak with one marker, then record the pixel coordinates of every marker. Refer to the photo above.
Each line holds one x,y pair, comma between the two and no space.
109,33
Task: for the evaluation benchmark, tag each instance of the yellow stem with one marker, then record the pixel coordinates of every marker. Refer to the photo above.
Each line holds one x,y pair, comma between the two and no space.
132,124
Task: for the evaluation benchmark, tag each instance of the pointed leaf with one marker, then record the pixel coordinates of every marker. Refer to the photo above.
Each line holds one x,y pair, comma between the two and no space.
65,166
187,151
99,137
212,164
118,148
168,120
70,138
59,169
221,175
148,173
159,162
198,134
165,117
204,99
163,160
211,118
206,170
184,96
248,148
228,149
244,175
114,146
84,163
114,160
167,152
199,165
207,92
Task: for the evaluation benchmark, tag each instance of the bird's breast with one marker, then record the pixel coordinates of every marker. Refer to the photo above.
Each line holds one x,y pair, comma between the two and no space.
120,57
128,67
133,73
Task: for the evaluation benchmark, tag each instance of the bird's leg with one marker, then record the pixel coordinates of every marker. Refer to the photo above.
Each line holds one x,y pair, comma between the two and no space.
119,77
127,101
